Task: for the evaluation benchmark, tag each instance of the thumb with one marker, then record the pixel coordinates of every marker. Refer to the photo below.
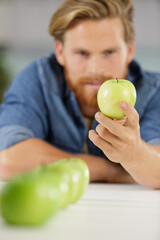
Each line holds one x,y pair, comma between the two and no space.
130,112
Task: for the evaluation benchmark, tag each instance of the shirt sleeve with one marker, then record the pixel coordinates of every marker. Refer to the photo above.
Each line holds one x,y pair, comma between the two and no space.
23,113
150,121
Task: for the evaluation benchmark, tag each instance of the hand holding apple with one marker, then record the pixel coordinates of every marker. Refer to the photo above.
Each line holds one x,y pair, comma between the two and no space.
120,142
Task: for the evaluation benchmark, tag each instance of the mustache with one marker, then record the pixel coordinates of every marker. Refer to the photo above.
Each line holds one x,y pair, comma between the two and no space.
94,79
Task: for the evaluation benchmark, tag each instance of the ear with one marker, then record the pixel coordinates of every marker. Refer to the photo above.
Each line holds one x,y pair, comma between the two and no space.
59,52
131,52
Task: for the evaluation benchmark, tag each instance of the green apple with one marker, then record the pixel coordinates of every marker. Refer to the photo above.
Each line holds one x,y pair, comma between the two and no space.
78,172
111,93
65,173
80,166
31,198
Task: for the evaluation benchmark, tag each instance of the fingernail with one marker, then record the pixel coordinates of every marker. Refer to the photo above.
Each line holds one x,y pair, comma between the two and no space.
97,115
123,105
90,133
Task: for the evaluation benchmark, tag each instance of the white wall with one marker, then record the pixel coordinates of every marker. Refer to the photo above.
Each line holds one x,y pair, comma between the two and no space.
24,24
147,23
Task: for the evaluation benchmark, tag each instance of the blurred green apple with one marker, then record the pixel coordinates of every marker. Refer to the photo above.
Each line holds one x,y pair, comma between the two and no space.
80,166
65,173
78,172
31,198
111,93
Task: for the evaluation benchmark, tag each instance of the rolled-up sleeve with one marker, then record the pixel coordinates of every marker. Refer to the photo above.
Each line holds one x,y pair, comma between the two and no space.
155,141
10,135
23,113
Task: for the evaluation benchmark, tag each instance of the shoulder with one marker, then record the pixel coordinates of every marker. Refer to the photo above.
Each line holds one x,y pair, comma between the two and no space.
147,84
142,77
50,73
152,78
44,66
42,73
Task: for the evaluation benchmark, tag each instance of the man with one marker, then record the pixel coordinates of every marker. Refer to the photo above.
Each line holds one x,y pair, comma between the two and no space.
51,105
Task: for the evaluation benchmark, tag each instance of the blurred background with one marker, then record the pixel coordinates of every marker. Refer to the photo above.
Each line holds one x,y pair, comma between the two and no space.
24,34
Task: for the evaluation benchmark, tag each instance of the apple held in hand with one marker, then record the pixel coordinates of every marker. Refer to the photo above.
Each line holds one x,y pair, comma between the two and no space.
111,93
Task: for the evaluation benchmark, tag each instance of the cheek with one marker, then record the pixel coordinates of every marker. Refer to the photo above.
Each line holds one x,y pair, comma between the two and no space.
118,64
80,64
76,67
73,73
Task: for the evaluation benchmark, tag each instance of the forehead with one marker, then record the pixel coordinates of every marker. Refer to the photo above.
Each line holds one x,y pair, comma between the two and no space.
93,32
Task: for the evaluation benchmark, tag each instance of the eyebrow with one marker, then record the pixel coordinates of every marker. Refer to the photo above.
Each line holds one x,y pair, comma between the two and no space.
79,50
111,49
75,50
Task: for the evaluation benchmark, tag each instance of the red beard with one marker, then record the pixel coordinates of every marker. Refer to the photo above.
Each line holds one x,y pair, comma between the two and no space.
88,96
83,95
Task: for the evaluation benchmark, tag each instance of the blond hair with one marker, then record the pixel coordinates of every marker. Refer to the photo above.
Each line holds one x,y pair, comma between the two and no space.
73,11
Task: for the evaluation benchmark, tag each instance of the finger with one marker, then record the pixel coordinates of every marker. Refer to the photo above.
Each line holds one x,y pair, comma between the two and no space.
130,112
106,135
99,142
114,127
120,121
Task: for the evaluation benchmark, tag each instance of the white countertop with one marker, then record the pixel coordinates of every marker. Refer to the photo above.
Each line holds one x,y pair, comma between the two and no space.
105,212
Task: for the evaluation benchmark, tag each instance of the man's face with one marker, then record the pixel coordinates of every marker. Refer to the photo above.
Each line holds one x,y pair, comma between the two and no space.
93,52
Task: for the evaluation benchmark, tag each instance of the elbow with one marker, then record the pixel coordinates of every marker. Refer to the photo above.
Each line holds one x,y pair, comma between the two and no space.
6,171
4,175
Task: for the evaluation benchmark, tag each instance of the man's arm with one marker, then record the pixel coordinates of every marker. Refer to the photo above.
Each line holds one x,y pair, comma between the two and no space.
123,144
145,169
33,152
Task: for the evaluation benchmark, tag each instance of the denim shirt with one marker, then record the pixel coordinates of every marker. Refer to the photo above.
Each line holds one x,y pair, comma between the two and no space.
39,104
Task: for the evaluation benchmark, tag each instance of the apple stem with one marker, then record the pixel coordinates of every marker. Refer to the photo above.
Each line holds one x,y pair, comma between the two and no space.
117,80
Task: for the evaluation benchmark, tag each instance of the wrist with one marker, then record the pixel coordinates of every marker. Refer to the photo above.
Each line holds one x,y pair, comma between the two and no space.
131,164
117,174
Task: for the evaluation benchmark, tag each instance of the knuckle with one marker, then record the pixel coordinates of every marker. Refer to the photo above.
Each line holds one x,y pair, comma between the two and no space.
130,139
98,128
108,152
96,138
111,154
116,128
101,130
120,145
136,118
138,128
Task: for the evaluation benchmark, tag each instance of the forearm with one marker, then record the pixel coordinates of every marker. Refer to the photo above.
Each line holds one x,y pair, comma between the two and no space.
119,175
31,153
145,169
25,156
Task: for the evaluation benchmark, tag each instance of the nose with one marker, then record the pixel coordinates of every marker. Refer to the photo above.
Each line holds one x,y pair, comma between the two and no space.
95,65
